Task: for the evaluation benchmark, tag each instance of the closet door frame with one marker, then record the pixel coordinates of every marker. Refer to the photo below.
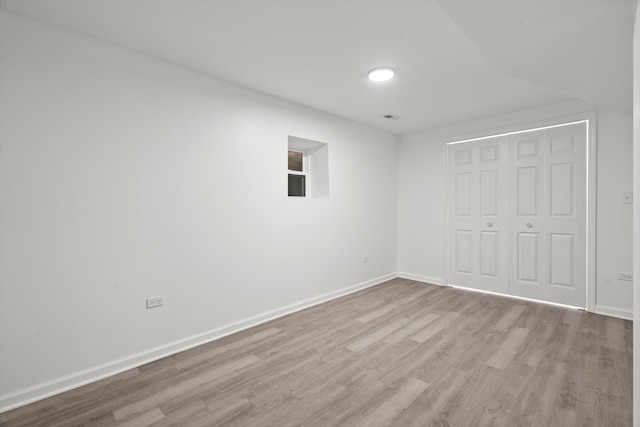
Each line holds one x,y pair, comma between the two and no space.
590,117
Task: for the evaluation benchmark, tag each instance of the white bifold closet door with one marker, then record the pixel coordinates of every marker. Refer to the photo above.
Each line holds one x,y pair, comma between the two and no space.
517,214
548,206
478,214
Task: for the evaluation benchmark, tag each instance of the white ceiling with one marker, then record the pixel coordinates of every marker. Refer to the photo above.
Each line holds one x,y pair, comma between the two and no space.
456,60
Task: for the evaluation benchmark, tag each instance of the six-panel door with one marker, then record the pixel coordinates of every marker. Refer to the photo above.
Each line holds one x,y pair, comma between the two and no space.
547,171
478,214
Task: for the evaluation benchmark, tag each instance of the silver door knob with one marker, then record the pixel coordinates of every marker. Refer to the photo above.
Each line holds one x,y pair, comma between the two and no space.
489,224
529,225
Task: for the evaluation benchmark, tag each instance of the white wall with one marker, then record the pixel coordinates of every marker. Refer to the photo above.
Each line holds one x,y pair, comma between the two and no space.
123,177
421,199
636,220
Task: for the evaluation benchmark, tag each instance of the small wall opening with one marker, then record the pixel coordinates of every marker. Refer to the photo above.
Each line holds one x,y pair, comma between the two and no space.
308,168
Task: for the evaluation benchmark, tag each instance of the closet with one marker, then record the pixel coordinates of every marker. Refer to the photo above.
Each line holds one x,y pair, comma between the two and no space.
517,207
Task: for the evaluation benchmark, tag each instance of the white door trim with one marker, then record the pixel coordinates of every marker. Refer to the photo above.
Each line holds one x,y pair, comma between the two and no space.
591,164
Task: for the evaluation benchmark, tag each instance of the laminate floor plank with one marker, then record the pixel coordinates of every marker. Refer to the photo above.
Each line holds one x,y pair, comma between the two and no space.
410,329
398,401
511,344
259,378
194,414
510,317
402,353
615,334
610,387
385,359
377,335
352,407
185,363
312,398
148,418
306,375
535,347
230,412
431,360
577,388
435,405
435,327
377,313
178,389
505,391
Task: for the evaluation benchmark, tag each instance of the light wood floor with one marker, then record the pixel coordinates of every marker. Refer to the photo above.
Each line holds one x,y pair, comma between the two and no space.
402,353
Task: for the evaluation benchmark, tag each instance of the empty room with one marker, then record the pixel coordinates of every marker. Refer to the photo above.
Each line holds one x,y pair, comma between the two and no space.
319,212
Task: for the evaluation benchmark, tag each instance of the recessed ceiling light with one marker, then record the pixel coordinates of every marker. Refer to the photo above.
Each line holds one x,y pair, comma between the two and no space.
381,74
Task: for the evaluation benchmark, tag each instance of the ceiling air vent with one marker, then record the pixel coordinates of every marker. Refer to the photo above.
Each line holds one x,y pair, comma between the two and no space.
391,117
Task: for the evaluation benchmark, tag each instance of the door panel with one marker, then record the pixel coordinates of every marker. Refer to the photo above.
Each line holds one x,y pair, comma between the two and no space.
489,193
490,153
489,253
562,258
463,194
528,258
463,157
528,191
562,143
463,251
562,186
528,148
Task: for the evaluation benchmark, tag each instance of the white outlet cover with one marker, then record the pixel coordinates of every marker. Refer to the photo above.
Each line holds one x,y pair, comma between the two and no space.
155,301
627,198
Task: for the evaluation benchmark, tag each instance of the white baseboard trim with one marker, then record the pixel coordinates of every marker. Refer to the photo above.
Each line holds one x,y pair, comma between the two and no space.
614,312
419,278
46,389
600,309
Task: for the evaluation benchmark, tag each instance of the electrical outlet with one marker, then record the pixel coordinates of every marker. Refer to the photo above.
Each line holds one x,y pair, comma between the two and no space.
155,301
365,258
627,198
625,276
